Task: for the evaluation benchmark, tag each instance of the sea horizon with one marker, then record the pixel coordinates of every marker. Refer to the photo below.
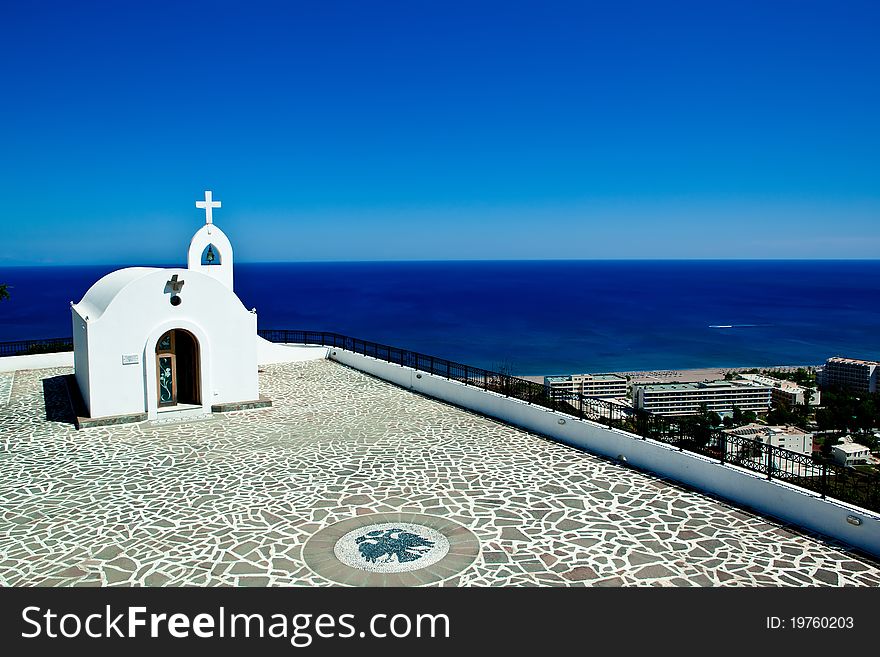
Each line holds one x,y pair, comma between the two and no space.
168,264
536,317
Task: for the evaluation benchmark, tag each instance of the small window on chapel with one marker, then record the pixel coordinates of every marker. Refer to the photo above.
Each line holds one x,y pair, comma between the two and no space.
210,256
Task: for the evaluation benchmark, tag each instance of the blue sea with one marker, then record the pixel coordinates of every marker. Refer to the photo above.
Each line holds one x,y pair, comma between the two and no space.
538,317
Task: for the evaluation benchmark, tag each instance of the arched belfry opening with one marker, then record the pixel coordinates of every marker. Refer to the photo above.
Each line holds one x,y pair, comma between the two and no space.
178,369
211,255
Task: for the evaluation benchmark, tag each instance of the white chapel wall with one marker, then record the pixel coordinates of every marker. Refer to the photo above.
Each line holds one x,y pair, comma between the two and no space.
36,361
273,352
81,355
132,324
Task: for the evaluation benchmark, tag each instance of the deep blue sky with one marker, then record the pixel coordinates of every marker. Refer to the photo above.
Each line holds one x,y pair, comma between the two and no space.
434,130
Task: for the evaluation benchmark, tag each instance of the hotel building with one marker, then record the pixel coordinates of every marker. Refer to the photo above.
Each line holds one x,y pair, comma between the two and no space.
787,393
859,376
686,398
589,385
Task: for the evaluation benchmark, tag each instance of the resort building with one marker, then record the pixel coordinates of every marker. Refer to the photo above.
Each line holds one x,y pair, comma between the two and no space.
859,376
787,393
589,385
848,452
687,398
784,437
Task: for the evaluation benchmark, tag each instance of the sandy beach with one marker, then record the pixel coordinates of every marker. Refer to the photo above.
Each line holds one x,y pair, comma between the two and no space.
687,375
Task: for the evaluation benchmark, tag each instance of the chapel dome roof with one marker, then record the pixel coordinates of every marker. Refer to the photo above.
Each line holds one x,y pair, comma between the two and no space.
102,293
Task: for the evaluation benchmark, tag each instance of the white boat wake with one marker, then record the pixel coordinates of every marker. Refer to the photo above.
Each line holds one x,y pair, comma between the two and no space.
727,326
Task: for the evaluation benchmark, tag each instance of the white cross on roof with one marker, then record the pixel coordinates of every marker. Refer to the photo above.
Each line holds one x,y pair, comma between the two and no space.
208,204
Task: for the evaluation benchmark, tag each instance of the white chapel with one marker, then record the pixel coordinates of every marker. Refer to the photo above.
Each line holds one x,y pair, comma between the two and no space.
156,342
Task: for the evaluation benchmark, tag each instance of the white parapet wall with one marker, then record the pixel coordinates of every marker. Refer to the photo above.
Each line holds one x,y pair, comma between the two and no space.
777,499
36,361
275,352
267,353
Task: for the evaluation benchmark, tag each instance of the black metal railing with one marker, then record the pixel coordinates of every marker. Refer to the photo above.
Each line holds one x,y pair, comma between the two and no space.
809,471
582,406
25,347
812,472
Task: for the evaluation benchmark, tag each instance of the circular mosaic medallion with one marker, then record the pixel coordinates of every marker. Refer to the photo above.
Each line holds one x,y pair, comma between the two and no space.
391,549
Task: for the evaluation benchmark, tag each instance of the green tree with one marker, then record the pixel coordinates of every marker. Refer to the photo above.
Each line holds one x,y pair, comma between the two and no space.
4,291
824,419
842,410
781,414
828,442
869,414
741,417
737,417
806,409
700,426
801,376
751,449
868,440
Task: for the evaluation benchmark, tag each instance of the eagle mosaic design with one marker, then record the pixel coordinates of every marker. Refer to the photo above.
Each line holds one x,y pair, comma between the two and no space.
381,546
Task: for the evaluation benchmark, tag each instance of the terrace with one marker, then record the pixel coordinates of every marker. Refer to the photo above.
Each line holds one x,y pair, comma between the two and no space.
248,498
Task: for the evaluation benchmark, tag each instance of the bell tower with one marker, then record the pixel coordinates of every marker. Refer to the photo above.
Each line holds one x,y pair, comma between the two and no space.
210,251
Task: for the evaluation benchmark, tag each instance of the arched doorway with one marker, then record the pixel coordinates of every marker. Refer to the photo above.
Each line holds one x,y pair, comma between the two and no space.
177,369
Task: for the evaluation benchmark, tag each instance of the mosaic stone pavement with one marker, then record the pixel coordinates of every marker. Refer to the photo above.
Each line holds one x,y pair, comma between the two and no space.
232,500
